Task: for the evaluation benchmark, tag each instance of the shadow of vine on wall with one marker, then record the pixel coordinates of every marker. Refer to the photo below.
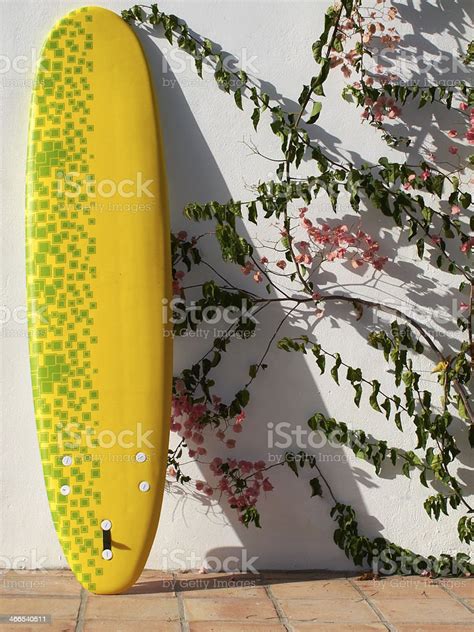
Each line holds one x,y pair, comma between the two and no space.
288,391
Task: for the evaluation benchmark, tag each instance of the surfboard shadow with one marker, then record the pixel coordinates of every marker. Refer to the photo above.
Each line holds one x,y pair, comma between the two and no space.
194,175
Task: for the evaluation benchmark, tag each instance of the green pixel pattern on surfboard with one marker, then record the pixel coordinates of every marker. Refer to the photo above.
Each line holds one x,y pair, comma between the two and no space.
60,266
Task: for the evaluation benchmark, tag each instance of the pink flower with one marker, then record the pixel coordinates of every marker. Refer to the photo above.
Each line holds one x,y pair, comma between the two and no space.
267,486
199,486
346,71
452,133
237,428
264,260
394,112
467,245
216,463
180,386
455,209
453,150
281,264
230,443
257,277
248,268
425,174
463,306
463,107
182,235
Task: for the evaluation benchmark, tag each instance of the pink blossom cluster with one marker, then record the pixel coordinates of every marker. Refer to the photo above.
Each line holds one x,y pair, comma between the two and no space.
468,245
338,242
187,416
379,109
249,268
372,27
327,244
241,482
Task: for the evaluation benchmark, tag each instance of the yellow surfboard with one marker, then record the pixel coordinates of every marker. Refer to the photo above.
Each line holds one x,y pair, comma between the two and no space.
98,278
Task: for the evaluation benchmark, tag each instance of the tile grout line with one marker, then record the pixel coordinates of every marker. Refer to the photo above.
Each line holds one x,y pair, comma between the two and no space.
181,611
455,597
279,610
371,605
81,611
19,595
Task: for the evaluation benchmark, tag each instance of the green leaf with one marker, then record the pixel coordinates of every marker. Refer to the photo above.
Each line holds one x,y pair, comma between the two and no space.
335,368
291,462
373,397
253,370
252,211
316,489
315,112
321,362
387,407
358,394
243,397
256,117
238,98
420,245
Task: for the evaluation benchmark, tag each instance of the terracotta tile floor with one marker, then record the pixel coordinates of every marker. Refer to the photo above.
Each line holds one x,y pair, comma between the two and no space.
268,602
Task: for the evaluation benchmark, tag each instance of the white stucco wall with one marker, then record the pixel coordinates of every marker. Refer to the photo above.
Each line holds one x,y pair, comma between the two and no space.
206,158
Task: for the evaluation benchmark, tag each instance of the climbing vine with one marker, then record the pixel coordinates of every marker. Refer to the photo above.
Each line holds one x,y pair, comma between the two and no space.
428,202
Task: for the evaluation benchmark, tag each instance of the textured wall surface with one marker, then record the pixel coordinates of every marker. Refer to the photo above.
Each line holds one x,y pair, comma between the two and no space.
207,159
